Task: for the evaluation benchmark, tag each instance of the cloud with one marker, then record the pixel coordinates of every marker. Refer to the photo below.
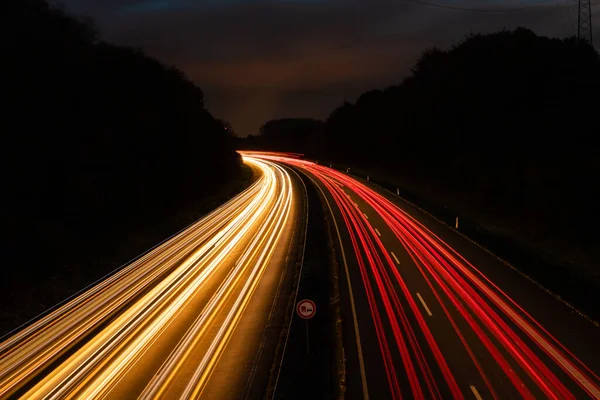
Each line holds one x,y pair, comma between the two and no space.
258,60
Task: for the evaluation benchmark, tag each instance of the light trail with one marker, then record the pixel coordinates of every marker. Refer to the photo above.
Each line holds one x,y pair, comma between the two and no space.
533,363
93,343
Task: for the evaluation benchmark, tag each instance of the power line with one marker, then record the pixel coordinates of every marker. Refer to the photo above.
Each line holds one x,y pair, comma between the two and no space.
425,3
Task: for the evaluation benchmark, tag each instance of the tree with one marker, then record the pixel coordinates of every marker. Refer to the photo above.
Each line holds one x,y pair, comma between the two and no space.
97,138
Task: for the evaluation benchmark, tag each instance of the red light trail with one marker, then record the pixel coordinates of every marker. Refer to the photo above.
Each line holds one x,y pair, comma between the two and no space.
481,315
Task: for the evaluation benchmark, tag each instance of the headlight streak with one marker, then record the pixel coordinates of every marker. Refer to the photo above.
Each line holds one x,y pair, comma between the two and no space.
144,310
143,298
269,233
164,250
454,282
70,322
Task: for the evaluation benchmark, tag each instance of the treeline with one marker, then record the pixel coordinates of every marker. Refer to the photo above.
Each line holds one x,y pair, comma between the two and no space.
96,139
285,134
501,125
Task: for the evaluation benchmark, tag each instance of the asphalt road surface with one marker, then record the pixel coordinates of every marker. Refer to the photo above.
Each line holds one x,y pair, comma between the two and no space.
185,320
429,314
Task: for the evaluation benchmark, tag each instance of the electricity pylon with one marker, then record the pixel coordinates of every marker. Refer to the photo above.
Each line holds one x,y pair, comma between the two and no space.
584,21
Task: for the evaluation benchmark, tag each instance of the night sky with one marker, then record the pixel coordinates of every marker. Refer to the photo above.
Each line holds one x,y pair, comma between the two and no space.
257,60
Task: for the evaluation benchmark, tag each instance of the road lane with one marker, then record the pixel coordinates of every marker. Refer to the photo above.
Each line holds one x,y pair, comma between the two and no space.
160,326
478,341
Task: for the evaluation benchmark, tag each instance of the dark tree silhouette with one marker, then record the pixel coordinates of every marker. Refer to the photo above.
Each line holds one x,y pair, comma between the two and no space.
96,139
299,134
508,117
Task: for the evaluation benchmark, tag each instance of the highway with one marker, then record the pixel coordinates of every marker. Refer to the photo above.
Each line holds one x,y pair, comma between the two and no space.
185,320
429,314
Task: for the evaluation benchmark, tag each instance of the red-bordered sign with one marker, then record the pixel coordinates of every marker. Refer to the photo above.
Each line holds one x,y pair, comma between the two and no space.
306,309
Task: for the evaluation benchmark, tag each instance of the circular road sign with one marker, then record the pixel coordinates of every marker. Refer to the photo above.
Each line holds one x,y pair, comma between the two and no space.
306,309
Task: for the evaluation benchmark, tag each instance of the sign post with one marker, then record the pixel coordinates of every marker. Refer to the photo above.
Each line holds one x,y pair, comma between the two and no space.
306,309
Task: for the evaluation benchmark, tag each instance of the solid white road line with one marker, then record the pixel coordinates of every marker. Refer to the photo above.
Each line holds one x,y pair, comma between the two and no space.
425,306
395,258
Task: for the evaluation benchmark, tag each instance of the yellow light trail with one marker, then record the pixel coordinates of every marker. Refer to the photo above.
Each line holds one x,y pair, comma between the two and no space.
86,348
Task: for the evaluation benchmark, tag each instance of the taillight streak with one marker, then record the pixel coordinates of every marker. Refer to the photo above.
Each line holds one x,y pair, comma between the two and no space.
504,328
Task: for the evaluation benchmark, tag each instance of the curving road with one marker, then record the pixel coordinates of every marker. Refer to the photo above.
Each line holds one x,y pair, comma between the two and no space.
182,321
431,315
